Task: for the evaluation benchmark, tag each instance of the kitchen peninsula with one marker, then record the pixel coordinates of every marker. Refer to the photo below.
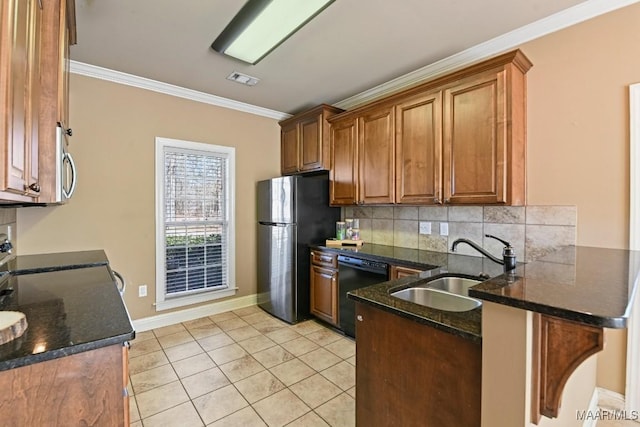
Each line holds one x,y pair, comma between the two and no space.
550,314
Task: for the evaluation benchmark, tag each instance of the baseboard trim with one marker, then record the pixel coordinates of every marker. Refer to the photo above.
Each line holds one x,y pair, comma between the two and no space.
167,319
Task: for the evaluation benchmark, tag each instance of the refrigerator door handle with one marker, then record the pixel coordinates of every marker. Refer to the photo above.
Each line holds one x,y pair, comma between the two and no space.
276,224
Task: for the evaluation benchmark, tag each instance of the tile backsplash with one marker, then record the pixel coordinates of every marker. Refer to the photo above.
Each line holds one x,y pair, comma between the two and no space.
534,231
8,225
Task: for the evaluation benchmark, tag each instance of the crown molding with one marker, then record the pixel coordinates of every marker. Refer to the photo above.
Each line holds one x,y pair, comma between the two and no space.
558,21
101,73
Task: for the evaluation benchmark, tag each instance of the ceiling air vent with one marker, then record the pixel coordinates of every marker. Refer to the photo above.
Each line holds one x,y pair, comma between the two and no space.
243,78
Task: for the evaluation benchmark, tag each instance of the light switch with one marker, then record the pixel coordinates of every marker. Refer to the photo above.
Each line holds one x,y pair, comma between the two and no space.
444,228
425,227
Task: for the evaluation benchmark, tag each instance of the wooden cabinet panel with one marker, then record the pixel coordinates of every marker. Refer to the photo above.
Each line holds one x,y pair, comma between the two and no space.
324,293
289,149
324,259
311,147
475,141
410,374
20,83
398,272
81,389
343,174
418,148
304,143
58,26
376,157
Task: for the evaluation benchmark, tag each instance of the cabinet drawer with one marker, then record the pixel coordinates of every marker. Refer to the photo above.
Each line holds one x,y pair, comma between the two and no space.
325,259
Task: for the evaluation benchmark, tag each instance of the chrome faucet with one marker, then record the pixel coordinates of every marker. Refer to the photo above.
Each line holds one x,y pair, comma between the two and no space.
508,254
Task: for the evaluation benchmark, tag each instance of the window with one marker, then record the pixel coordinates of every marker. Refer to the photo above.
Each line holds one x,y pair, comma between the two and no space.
194,222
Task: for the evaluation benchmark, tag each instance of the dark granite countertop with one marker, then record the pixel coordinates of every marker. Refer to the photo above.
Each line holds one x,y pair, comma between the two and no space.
27,264
595,286
68,311
465,324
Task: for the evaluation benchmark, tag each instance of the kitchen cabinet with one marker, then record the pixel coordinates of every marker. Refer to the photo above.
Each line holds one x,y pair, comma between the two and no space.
477,141
34,62
59,32
362,159
324,286
418,146
459,139
20,83
437,383
398,272
65,391
304,141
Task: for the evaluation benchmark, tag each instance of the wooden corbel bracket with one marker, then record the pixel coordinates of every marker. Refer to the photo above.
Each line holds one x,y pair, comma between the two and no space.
559,347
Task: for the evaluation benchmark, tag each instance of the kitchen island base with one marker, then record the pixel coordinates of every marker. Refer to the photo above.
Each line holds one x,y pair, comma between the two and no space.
411,374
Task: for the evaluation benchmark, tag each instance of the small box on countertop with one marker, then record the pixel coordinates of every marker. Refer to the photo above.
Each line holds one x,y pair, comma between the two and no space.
344,242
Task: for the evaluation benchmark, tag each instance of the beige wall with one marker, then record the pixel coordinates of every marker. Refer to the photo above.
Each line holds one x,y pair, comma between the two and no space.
114,130
578,137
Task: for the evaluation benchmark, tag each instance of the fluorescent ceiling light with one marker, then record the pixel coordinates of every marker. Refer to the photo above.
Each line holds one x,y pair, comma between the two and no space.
262,25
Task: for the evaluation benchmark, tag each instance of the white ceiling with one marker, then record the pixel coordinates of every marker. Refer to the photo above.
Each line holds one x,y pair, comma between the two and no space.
352,46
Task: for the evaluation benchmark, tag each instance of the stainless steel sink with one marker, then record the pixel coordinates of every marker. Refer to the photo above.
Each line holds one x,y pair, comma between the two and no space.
448,293
454,285
438,299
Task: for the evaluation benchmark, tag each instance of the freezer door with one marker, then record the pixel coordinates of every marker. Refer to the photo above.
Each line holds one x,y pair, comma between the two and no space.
276,200
277,270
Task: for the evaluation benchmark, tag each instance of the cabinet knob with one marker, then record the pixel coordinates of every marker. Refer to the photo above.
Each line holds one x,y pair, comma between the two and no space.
33,187
69,132
447,200
436,200
359,317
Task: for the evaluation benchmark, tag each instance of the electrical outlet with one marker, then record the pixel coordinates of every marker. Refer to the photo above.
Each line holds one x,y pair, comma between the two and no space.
425,227
444,228
142,290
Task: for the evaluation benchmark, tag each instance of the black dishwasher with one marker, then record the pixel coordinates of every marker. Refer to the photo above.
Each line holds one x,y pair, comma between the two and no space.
356,273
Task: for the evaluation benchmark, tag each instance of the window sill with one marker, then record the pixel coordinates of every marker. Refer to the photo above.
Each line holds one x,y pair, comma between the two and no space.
194,299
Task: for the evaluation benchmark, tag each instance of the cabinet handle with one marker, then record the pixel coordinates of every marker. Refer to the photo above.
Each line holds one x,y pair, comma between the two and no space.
69,132
33,187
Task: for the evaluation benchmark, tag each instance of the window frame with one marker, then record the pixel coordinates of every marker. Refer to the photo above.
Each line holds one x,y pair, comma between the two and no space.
162,302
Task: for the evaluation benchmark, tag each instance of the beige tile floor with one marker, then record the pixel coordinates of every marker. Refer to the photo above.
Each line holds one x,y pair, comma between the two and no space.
242,368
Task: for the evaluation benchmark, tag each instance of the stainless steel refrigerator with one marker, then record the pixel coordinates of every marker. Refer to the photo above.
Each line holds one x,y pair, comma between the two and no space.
293,212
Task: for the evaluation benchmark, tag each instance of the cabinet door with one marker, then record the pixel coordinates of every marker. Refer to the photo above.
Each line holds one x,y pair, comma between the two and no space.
324,294
289,149
475,126
19,79
419,149
376,157
311,144
343,172
398,272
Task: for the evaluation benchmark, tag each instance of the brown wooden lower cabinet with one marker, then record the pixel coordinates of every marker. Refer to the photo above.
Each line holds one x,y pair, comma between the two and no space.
410,374
398,272
84,389
324,294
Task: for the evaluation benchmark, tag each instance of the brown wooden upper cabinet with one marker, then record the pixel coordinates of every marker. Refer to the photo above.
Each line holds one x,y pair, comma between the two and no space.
362,159
34,42
304,141
459,139
20,39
